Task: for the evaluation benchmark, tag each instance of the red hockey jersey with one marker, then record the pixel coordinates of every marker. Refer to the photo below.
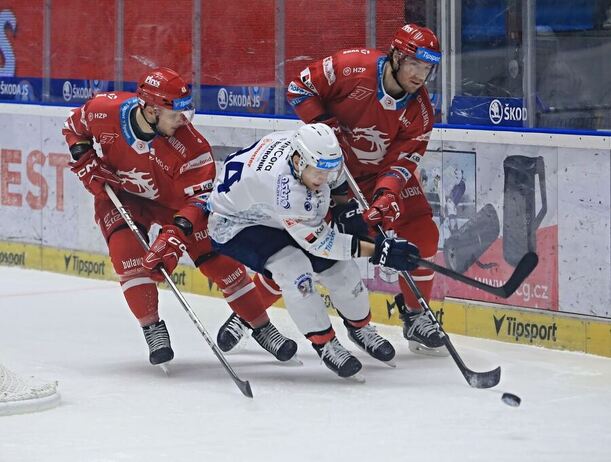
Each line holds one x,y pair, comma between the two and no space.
171,171
383,138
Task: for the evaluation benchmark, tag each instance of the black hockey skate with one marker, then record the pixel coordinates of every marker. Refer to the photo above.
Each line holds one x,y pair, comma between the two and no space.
338,359
368,340
158,340
274,342
420,331
232,335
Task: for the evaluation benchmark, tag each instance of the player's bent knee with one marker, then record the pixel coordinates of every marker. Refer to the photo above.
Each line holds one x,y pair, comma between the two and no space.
292,271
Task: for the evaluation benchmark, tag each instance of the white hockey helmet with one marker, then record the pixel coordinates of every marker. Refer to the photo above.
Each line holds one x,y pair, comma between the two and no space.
317,146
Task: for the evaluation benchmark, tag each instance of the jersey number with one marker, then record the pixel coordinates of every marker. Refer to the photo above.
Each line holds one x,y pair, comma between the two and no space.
233,173
233,169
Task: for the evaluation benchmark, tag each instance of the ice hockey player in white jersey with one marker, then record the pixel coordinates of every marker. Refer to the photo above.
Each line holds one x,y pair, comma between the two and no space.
268,211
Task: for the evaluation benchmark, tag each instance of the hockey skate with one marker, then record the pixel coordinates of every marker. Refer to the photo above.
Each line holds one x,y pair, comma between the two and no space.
339,360
422,334
233,335
274,342
368,340
158,340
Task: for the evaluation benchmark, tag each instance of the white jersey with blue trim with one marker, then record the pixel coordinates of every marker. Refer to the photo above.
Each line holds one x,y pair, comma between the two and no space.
256,186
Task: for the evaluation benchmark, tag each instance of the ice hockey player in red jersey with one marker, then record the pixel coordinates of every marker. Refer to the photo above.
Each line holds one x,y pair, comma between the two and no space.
380,109
161,169
379,106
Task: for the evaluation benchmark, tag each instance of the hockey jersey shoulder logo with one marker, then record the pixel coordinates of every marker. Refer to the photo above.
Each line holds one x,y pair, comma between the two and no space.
372,144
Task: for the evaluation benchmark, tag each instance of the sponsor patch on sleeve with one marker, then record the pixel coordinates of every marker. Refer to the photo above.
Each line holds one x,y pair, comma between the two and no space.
327,67
200,161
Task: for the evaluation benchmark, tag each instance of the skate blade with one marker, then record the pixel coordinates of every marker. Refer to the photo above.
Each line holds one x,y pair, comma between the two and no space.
389,363
164,367
421,349
356,378
293,362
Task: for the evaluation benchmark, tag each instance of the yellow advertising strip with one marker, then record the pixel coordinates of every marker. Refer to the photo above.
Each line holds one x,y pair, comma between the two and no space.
76,263
17,254
513,325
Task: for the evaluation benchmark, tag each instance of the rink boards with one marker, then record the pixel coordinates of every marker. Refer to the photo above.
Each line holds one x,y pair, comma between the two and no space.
560,182
514,325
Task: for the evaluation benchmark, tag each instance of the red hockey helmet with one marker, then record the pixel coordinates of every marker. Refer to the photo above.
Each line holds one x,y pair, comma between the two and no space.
165,88
418,42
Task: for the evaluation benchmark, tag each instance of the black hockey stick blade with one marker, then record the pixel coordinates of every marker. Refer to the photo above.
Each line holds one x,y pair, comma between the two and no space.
244,386
525,266
483,379
486,379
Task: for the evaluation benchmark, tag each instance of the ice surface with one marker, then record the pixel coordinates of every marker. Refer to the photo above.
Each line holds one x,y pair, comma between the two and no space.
116,407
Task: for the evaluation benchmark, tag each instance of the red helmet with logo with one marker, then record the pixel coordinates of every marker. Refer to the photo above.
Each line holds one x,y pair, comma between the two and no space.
418,42
164,87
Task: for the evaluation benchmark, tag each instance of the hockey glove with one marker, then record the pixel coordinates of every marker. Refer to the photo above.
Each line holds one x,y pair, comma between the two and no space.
384,210
395,253
348,218
94,174
165,251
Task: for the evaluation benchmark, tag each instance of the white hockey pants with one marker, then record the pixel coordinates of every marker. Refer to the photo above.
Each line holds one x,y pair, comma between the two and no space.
293,272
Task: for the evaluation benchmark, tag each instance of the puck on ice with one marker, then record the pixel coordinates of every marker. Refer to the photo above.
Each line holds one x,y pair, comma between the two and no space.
511,400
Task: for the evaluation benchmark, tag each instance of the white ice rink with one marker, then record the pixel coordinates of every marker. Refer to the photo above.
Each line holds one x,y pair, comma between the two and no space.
116,407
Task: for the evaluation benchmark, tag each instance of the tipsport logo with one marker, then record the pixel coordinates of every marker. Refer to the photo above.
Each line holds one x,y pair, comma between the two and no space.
12,259
521,330
79,266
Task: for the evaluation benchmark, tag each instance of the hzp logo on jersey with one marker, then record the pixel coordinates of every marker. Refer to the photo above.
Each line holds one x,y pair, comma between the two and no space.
497,112
152,81
96,115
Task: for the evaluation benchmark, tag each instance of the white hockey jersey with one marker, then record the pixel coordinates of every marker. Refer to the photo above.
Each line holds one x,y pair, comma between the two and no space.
256,186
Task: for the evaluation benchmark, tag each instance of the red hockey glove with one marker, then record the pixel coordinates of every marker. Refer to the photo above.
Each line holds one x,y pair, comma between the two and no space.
166,251
384,210
93,173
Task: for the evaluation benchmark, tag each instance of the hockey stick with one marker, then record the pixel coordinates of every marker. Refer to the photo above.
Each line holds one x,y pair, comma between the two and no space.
243,385
523,269
487,379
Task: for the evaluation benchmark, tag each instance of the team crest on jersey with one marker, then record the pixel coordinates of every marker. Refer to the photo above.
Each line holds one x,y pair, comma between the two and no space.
375,140
141,183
